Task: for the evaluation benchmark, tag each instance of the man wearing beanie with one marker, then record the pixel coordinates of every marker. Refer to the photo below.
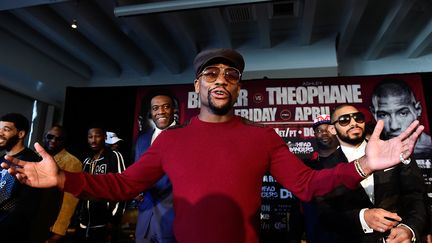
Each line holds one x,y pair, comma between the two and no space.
218,163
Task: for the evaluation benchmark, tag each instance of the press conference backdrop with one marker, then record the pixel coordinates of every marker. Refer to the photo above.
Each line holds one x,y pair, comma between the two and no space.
289,107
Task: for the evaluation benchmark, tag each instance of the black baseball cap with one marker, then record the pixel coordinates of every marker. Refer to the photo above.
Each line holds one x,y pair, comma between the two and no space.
219,55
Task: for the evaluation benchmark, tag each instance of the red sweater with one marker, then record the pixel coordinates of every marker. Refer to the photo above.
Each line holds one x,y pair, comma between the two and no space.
216,170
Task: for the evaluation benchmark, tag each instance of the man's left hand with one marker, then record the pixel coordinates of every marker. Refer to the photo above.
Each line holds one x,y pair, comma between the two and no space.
400,234
383,154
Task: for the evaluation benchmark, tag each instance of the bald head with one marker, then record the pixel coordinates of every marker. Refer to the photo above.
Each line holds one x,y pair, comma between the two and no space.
392,88
394,102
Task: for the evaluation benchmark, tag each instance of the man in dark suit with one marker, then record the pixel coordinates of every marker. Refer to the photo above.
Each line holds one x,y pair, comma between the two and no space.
155,207
387,205
327,144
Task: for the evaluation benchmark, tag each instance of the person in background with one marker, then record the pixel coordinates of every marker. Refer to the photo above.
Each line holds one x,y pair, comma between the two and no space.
54,144
394,102
327,143
113,141
155,206
216,163
99,220
19,203
388,204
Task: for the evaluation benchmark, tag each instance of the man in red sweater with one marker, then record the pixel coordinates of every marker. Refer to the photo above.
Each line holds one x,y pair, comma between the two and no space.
218,164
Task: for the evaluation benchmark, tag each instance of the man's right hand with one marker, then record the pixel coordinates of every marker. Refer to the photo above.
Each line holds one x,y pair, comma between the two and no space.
41,174
380,219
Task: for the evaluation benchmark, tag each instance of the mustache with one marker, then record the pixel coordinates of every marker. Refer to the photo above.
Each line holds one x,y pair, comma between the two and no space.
217,87
356,126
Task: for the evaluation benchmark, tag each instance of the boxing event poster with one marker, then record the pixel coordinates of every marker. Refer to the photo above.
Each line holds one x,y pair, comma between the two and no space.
289,106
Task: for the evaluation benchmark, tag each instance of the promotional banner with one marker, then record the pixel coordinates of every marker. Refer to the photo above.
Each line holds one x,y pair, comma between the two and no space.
290,105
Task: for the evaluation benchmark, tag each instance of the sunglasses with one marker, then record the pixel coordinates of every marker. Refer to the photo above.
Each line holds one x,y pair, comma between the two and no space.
345,119
51,137
211,73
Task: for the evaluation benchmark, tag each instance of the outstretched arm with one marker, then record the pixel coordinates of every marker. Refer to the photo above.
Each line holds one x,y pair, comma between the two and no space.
112,186
43,174
382,154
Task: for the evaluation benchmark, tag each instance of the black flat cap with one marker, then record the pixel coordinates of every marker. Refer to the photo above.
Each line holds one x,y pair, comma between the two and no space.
220,55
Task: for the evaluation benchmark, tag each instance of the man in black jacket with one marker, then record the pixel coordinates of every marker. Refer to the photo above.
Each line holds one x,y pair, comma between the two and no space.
98,219
327,144
388,203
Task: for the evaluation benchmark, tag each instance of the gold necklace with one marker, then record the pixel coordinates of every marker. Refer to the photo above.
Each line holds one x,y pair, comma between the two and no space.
94,160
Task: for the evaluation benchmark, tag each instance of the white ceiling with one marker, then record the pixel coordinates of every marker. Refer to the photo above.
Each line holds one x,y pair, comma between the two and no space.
130,42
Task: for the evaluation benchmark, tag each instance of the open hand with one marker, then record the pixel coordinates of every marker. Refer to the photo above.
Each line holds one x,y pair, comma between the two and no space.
41,174
382,154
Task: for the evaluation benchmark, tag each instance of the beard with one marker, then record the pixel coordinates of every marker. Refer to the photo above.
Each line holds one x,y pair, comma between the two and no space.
220,110
10,143
353,141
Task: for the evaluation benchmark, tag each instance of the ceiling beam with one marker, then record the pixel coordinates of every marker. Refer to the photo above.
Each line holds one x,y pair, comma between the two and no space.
146,32
421,42
13,4
150,42
46,22
219,26
33,38
98,28
390,24
353,13
264,27
307,22
168,6
181,32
